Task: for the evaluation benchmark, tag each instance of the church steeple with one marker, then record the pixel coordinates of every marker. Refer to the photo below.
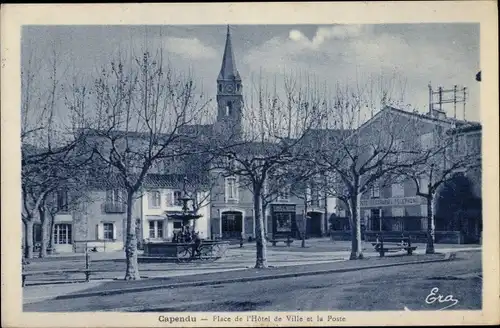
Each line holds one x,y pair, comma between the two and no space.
228,69
229,91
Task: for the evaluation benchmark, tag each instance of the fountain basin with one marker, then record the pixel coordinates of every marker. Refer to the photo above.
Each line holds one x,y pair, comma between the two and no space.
167,251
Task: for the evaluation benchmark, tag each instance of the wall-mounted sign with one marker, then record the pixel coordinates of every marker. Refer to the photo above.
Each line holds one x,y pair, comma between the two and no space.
376,202
283,208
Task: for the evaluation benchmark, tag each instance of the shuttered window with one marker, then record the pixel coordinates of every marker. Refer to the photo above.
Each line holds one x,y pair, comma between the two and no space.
231,191
154,199
108,231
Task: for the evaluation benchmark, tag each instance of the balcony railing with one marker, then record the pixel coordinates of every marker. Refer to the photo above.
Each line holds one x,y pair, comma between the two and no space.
114,207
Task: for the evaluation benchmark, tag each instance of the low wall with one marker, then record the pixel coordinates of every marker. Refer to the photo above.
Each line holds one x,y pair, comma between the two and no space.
97,245
440,237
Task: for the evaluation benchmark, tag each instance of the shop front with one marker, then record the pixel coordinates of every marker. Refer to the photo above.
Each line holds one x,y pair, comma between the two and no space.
284,220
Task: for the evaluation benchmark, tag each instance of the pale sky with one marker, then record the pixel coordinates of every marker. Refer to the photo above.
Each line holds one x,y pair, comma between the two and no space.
443,54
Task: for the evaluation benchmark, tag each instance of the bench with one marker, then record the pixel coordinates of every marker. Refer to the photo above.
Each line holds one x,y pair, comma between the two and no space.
287,241
86,270
386,244
36,273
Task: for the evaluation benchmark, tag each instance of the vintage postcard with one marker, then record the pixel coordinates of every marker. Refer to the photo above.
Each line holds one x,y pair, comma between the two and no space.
250,164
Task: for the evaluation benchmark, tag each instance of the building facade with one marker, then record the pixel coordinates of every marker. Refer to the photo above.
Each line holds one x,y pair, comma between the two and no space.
396,208
226,207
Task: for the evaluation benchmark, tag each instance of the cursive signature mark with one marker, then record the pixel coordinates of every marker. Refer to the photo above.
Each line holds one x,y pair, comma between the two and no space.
434,297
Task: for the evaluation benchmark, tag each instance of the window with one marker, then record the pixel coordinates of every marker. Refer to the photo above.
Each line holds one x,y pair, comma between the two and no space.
375,191
398,190
424,185
156,229
109,231
231,189
62,234
62,201
177,198
229,107
238,86
37,233
177,224
284,194
154,199
315,197
114,196
220,87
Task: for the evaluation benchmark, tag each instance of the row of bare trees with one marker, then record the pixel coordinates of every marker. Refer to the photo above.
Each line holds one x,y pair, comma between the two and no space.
138,113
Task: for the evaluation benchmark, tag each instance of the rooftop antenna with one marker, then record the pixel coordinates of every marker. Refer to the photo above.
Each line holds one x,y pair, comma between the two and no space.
446,96
464,101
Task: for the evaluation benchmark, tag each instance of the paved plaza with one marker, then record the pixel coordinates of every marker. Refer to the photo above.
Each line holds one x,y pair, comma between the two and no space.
111,266
364,288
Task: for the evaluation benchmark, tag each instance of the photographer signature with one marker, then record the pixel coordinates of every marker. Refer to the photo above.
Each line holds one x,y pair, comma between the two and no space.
434,297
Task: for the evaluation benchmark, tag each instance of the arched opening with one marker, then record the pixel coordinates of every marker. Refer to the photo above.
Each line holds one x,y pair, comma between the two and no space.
232,224
314,224
459,209
220,87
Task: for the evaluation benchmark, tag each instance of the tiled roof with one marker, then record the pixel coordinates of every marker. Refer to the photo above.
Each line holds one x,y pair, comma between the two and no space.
174,180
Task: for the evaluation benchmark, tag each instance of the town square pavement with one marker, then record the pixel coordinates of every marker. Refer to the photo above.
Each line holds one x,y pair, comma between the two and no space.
111,266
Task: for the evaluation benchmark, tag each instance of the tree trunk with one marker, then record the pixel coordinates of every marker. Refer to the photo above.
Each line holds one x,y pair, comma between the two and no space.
264,216
44,228
28,239
51,232
429,249
132,271
261,261
356,246
304,224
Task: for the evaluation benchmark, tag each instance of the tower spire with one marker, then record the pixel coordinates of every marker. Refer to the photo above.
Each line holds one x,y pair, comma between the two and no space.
228,69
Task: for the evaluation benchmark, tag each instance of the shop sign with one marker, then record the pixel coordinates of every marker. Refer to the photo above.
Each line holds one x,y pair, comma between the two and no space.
402,201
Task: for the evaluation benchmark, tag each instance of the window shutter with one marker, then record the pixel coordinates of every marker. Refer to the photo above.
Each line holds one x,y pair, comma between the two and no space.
170,197
226,191
150,199
99,232
237,189
165,228
114,231
424,185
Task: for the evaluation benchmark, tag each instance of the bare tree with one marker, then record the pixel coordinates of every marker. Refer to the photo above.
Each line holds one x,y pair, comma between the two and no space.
273,130
45,143
354,156
443,153
144,113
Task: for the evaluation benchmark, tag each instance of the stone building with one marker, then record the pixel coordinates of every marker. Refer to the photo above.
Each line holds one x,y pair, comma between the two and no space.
396,207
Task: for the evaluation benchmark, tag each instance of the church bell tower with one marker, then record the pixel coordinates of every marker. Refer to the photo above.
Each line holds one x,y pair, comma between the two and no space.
229,92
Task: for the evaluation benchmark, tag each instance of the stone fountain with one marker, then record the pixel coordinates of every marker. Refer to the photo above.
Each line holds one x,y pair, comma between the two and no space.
186,245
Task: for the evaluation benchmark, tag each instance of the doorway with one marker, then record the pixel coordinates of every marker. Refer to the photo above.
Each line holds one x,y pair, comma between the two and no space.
314,224
232,225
